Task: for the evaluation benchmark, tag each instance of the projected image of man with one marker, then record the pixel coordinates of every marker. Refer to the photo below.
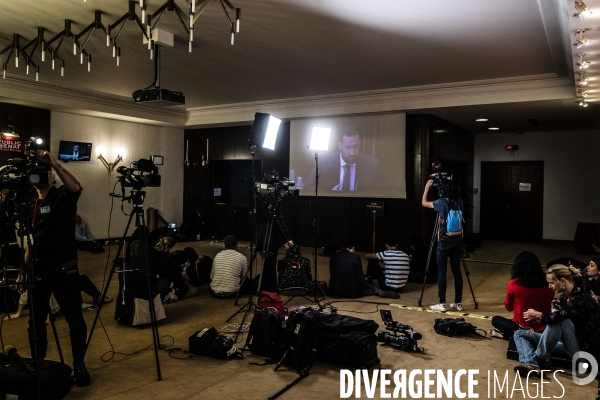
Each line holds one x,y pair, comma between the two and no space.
349,170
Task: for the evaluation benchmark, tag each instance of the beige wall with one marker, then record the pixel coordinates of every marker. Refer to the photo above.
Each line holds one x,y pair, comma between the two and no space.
137,141
571,175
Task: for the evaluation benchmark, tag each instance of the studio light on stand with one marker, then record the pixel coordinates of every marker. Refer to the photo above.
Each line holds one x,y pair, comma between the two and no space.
319,141
263,134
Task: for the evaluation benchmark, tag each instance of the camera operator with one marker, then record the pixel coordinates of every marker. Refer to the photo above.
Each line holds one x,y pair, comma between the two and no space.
55,263
448,246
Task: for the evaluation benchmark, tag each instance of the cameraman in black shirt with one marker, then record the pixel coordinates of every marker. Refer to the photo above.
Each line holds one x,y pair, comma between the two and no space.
55,267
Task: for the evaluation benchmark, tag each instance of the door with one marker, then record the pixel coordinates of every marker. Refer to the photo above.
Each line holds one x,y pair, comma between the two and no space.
512,197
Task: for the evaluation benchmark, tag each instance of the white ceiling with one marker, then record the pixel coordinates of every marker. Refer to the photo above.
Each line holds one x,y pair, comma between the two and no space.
507,60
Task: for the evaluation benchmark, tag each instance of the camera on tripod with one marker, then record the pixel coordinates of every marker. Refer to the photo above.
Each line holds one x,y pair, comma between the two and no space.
438,175
19,174
408,340
134,176
272,189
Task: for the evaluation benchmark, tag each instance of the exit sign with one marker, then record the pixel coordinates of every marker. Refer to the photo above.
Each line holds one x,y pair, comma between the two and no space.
512,147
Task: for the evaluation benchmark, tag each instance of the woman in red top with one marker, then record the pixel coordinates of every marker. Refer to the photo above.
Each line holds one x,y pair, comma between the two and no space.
526,290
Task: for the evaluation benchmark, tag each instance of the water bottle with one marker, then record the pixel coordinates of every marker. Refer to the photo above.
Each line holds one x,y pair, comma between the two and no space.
292,175
300,183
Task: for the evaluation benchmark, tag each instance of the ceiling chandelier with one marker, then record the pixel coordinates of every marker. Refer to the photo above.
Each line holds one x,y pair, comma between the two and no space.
146,21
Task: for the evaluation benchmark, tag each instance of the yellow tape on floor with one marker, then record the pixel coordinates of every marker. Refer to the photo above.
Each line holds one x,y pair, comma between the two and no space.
429,310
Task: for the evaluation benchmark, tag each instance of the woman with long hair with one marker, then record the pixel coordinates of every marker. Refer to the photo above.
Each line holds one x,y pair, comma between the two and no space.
574,324
526,289
592,273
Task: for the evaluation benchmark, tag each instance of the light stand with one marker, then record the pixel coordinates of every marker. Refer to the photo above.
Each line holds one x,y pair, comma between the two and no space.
319,141
264,131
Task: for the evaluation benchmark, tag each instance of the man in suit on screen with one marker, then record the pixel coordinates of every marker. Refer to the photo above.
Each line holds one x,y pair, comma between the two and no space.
349,170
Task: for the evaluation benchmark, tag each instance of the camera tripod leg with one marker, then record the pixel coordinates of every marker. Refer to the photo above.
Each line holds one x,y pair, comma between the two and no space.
467,273
431,247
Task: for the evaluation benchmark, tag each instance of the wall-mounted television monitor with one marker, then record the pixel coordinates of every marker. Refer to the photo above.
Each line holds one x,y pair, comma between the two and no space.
74,151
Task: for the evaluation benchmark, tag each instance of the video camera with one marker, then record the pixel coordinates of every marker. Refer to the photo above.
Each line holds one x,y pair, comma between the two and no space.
134,175
439,176
409,339
271,189
19,174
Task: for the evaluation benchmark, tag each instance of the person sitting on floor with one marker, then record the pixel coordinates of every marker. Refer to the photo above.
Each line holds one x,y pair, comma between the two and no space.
527,289
188,262
346,273
166,268
593,275
418,262
229,268
84,238
395,273
87,287
574,324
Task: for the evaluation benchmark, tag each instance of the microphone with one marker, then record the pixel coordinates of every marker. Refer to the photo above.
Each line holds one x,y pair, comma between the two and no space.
12,353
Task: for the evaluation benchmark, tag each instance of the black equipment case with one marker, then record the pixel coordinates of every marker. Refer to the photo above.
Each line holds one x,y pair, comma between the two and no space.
55,379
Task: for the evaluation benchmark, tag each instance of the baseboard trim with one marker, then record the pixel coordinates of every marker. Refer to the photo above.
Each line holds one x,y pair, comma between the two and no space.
557,242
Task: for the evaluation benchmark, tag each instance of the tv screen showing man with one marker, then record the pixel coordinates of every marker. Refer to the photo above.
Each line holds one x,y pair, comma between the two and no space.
364,156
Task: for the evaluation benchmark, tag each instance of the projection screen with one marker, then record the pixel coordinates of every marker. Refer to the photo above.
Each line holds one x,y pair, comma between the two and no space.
365,157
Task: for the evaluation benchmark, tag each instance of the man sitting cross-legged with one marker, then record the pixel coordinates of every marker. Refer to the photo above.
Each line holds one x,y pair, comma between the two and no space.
229,268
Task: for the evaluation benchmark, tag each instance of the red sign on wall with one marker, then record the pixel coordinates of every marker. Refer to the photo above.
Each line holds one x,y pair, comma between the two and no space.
10,142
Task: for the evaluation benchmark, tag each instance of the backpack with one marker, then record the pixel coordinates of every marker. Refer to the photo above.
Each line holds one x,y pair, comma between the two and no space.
209,342
294,273
455,327
453,221
298,343
271,300
264,333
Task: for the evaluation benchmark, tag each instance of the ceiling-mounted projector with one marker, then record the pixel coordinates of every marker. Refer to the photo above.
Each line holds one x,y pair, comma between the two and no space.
154,93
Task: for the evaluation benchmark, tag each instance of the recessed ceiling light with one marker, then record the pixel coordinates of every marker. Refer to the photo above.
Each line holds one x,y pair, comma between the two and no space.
481,120
493,128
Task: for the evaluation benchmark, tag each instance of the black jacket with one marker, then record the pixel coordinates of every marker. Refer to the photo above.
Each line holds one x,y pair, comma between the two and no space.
347,277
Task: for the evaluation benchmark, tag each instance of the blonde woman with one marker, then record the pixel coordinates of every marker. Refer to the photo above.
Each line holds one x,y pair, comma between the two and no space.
574,324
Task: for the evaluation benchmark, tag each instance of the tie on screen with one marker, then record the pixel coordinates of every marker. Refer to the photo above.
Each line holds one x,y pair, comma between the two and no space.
346,182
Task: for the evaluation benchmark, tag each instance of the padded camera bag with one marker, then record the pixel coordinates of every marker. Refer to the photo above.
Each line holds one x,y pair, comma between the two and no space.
454,327
348,341
209,342
17,382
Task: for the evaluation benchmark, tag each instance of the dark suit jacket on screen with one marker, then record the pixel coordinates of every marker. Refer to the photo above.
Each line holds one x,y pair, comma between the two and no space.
329,173
347,277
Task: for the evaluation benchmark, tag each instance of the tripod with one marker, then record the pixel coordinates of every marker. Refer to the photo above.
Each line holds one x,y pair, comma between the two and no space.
137,197
250,304
35,281
462,259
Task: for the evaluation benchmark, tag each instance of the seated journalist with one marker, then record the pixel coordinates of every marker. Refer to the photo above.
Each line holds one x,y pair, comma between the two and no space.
395,273
346,273
229,268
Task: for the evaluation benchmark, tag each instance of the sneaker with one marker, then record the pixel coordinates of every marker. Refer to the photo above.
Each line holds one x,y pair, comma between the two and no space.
388,294
439,307
81,375
495,333
456,306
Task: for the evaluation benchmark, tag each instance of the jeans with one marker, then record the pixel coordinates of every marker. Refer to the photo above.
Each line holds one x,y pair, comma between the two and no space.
555,337
449,247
